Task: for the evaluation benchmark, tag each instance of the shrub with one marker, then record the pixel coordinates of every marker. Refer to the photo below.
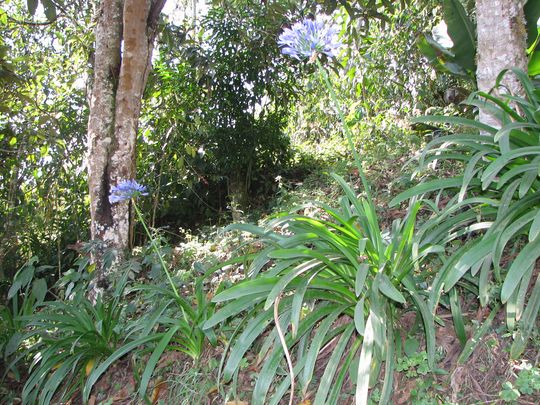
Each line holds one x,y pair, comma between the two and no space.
67,340
27,291
338,278
497,197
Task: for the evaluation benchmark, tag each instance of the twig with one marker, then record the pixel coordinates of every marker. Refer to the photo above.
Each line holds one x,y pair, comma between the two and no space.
33,23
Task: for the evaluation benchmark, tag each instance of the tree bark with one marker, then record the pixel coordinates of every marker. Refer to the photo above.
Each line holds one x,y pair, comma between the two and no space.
501,44
125,34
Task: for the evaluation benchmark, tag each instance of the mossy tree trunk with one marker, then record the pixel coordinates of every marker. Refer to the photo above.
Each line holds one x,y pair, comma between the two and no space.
124,38
501,37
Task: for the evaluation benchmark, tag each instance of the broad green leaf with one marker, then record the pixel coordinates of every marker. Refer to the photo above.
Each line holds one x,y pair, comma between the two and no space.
511,311
39,289
315,347
281,285
297,303
470,171
267,374
483,280
532,14
498,164
362,246
505,130
526,182
389,362
32,6
456,121
232,309
387,288
360,279
252,331
344,371
427,319
534,64
253,229
120,352
284,385
463,33
50,9
522,292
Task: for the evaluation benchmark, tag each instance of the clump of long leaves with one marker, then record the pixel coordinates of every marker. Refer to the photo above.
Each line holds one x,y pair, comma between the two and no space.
67,339
334,282
27,291
497,197
167,321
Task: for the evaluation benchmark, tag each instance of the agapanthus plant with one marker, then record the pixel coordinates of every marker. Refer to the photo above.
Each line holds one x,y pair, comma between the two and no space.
307,38
338,283
126,190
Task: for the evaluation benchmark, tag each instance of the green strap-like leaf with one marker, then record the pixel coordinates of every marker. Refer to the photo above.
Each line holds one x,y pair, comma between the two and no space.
252,331
360,278
232,309
457,316
387,288
477,337
430,186
154,358
472,255
247,287
527,257
528,322
120,352
456,121
427,319
315,347
364,365
32,6
359,319
332,366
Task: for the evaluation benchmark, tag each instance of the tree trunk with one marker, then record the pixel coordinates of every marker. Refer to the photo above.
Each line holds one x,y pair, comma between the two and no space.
501,44
125,34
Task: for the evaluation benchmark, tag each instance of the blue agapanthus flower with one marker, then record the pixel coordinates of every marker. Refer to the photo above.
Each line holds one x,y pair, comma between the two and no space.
308,37
126,190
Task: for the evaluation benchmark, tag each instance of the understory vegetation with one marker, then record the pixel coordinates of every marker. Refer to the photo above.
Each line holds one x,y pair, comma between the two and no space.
312,223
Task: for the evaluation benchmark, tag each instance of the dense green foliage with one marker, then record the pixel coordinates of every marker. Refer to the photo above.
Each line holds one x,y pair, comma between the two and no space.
497,196
224,92
42,130
329,271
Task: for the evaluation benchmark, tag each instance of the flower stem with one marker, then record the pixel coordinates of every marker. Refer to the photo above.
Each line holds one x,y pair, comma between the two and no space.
154,246
346,129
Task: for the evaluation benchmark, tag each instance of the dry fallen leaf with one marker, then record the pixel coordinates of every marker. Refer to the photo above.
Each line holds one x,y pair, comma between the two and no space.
89,366
236,403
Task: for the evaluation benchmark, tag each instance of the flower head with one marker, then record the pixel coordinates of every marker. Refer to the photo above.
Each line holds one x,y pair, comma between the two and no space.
308,37
126,190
